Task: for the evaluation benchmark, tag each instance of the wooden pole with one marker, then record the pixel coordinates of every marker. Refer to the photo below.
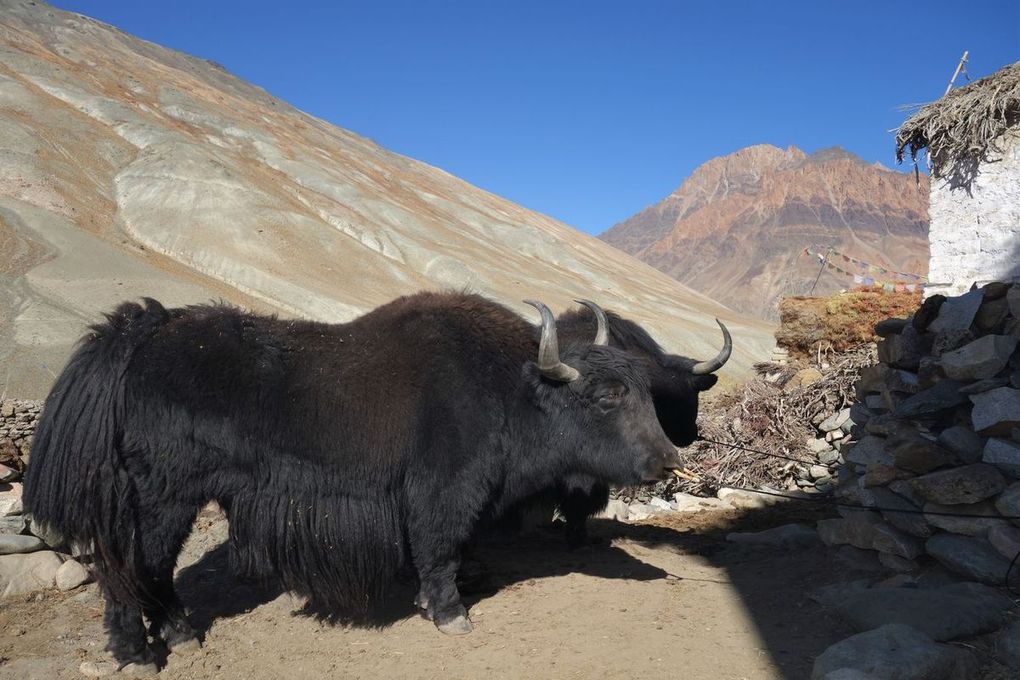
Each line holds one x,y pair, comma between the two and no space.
959,67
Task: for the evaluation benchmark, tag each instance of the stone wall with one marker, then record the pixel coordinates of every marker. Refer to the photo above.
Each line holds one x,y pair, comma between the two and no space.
938,435
975,231
17,425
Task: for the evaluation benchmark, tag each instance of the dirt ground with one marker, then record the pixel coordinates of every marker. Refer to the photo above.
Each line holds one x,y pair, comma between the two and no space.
668,597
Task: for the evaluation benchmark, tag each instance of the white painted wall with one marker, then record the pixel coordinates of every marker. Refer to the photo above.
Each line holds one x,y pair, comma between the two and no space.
976,236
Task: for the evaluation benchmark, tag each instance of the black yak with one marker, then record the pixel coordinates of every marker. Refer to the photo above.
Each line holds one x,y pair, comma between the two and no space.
338,451
675,381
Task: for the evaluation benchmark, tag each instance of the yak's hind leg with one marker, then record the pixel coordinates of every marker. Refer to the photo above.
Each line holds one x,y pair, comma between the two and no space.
127,641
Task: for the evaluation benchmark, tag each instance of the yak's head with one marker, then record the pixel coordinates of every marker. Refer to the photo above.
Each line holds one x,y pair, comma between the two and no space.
676,381
598,406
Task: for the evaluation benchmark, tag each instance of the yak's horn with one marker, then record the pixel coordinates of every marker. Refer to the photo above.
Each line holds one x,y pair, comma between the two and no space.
713,365
548,348
602,334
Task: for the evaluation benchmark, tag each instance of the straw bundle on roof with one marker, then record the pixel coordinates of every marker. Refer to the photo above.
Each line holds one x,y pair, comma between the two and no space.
960,130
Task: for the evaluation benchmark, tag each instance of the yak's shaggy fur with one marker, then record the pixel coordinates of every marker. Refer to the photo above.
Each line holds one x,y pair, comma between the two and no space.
337,451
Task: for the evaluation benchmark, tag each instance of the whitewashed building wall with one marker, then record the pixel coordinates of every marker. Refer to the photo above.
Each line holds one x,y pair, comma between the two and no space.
976,236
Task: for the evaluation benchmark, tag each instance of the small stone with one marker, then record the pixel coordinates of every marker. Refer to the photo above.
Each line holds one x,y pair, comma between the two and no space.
978,360
900,513
991,314
890,540
920,454
97,669
639,511
975,558
816,446
686,502
50,536
956,486
896,652
13,544
995,290
868,451
835,421
15,524
996,412
860,527
903,381
829,457
964,442
975,519
1008,502
984,385
860,414
615,510
1005,539
10,499
927,312
903,489
880,475
8,474
932,402
1008,646
887,327
72,574
21,574
744,500
832,531
788,535
897,563
877,402
661,504
904,350
1003,454
818,471
856,559
886,425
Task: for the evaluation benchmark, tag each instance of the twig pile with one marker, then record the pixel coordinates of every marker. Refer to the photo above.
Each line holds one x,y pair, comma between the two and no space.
770,413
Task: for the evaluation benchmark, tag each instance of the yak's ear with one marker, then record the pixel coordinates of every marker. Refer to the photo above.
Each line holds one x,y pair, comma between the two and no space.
705,382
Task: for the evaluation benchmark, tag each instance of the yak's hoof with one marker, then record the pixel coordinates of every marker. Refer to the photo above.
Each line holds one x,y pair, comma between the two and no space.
139,670
459,625
186,646
421,601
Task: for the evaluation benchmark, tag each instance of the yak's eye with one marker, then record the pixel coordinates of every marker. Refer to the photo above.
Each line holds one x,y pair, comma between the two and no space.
610,396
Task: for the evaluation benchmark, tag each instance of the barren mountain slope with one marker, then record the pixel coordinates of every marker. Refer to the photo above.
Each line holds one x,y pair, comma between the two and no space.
127,169
737,228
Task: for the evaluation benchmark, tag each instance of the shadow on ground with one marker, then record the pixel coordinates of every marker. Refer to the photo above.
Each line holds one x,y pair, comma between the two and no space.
773,583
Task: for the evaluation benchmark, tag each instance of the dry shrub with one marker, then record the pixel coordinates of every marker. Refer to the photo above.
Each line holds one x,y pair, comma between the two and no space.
767,413
839,322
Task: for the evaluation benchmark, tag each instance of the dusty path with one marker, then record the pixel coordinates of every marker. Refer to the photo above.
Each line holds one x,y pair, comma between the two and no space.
666,599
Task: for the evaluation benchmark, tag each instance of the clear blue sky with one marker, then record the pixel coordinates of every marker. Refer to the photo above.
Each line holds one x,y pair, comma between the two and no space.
590,111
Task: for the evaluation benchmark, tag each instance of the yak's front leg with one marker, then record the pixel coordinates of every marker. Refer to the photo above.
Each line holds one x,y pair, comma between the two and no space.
438,596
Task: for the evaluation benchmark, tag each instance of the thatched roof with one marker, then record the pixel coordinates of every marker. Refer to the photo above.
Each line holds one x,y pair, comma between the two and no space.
960,130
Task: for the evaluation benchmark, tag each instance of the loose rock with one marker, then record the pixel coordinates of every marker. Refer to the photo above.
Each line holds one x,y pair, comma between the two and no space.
978,360
896,652
964,442
1004,455
20,574
996,412
71,574
948,613
788,535
956,486
975,558
11,544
